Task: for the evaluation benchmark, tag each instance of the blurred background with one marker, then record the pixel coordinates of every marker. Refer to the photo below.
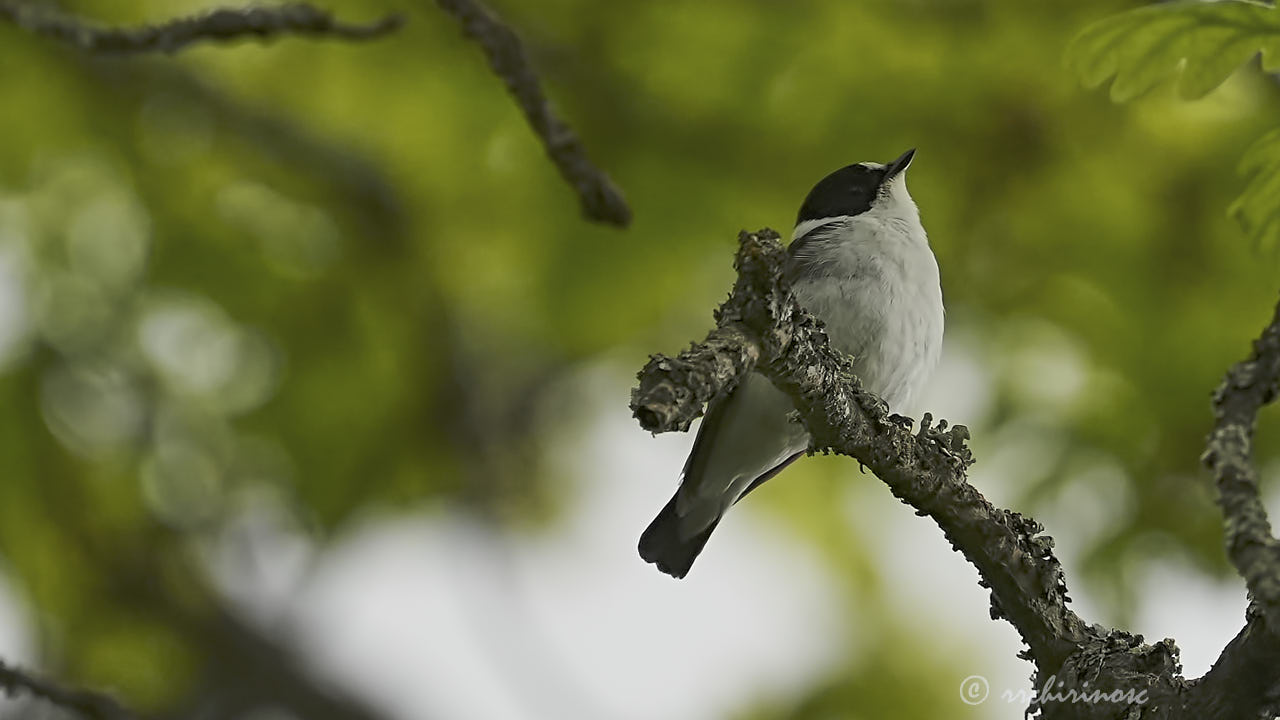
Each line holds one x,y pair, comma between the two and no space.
314,383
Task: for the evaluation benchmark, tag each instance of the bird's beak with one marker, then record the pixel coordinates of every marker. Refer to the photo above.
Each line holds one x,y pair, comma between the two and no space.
897,167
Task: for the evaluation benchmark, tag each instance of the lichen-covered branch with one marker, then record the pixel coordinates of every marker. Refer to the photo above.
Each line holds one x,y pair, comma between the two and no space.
762,327
1251,546
601,200
762,324
1244,681
86,703
220,25
673,397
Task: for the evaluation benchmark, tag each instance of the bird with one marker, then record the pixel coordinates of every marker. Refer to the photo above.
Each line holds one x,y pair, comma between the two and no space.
860,261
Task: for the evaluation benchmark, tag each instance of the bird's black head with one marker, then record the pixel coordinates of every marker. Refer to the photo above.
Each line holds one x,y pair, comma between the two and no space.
851,190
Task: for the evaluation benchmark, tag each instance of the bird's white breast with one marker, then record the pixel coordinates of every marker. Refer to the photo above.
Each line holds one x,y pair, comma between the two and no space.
880,297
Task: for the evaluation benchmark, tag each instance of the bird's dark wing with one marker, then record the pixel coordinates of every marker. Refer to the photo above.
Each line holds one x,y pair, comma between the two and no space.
805,256
661,543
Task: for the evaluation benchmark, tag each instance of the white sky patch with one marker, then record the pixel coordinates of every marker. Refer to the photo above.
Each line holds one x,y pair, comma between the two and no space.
15,634
17,646
1095,499
436,615
922,576
960,389
1200,612
261,557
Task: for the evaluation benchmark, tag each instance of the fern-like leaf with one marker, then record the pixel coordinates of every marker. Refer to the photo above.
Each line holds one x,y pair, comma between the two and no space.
1207,41
1258,208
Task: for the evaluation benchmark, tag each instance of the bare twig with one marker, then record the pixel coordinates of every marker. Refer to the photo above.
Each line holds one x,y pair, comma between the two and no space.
1253,549
1245,680
601,200
219,25
89,704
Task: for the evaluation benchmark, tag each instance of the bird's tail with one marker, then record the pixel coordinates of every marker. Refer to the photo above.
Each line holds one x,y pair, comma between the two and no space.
662,545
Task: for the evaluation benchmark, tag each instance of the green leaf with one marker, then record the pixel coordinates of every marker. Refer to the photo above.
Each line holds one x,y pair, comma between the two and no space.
1206,41
1258,207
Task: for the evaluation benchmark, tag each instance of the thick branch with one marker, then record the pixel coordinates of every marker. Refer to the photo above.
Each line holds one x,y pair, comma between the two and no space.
1251,546
601,200
220,25
762,322
1244,681
89,704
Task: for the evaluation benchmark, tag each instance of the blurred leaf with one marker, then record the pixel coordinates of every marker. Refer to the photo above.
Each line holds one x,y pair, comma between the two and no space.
1205,41
139,657
1258,208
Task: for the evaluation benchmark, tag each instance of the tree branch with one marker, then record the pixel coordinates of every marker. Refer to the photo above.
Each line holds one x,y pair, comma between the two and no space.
762,324
89,704
601,200
1252,548
221,25
1244,681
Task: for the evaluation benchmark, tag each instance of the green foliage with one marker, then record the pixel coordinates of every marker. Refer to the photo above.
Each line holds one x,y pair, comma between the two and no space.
1258,208
1203,41
346,279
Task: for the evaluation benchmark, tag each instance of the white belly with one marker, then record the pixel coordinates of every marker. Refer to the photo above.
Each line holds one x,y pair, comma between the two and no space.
883,306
